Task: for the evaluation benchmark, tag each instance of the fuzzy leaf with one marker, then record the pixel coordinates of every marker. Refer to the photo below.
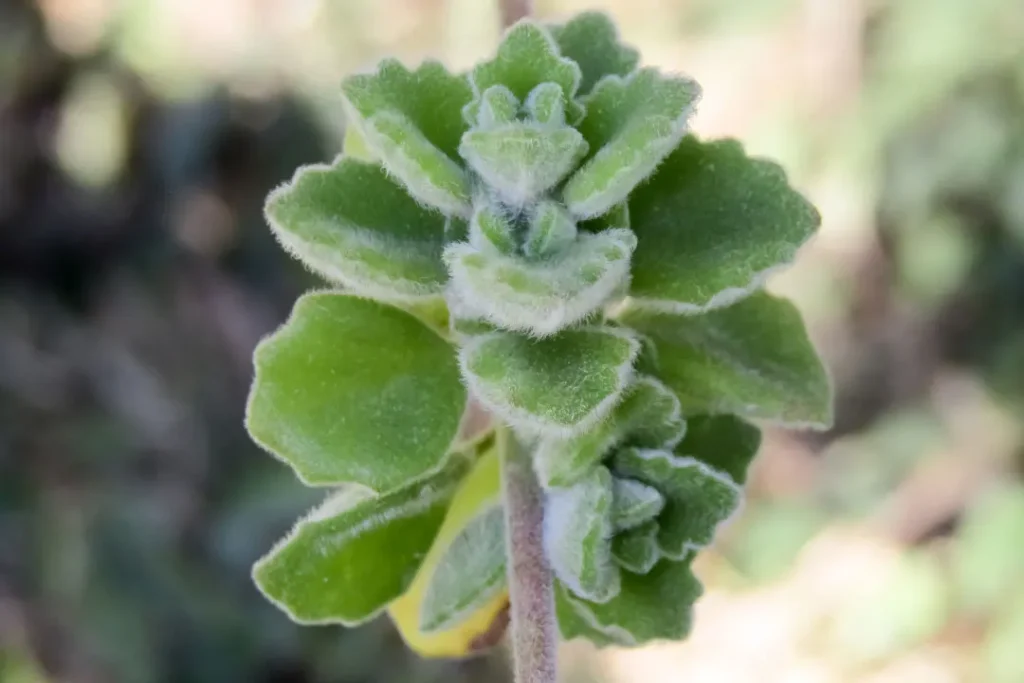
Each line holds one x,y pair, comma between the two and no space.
475,629
498,106
725,442
647,416
634,503
751,359
591,40
551,230
521,160
469,575
527,57
653,606
636,550
713,223
491,230
563,384
697,497
546,105
353,225
631,124
541,297
351,557
426,172
411,121
352,390
577,536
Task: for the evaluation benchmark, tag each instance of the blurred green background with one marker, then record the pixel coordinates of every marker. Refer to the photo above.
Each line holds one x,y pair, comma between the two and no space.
137,140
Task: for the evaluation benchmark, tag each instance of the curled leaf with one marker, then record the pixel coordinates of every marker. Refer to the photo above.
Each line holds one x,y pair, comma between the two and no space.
352,224
578,527
543,296
559,385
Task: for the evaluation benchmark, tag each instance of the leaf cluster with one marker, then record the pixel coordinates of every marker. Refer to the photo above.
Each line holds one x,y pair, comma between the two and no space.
541,242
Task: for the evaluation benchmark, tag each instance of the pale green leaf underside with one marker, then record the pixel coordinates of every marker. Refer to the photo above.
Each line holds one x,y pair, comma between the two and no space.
712,224
648,415
527,57
653,606
634,503
353,390
543,296
636,550
561,384
330,568
752,359
470,573
577,536
591,40
632,123
350,223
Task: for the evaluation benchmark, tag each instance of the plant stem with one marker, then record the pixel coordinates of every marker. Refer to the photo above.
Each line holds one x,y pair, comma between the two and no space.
514,10
534,626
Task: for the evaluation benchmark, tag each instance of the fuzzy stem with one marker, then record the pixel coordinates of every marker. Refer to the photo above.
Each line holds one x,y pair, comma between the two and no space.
514,10
531,590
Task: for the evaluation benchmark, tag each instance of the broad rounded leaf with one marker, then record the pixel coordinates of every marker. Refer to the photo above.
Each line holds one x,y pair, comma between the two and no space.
411,121
352,224
725,442
358,552
559,385
578,527
527,57
542,296
751,359
353,390
475,629
591,40
631,124
713,223
653,606
636,550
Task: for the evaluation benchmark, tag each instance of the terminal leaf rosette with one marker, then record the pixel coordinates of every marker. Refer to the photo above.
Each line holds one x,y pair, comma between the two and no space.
539,246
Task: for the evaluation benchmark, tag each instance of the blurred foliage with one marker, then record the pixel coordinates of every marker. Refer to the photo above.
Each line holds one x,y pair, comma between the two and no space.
137,141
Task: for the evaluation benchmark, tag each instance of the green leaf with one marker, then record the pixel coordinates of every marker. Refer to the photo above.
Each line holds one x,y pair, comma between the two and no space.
353,225
636,550
353,390
559,385
713,223
544,296
527,57
577,536
725,442
634,503
631,124
653,606
469,574
427,174
752,359
491,230
411,121
591,40
697,497
546,105
648,416
551,231
358,552
522,160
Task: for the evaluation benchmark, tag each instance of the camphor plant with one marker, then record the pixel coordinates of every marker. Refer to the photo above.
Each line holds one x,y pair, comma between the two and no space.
530,392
